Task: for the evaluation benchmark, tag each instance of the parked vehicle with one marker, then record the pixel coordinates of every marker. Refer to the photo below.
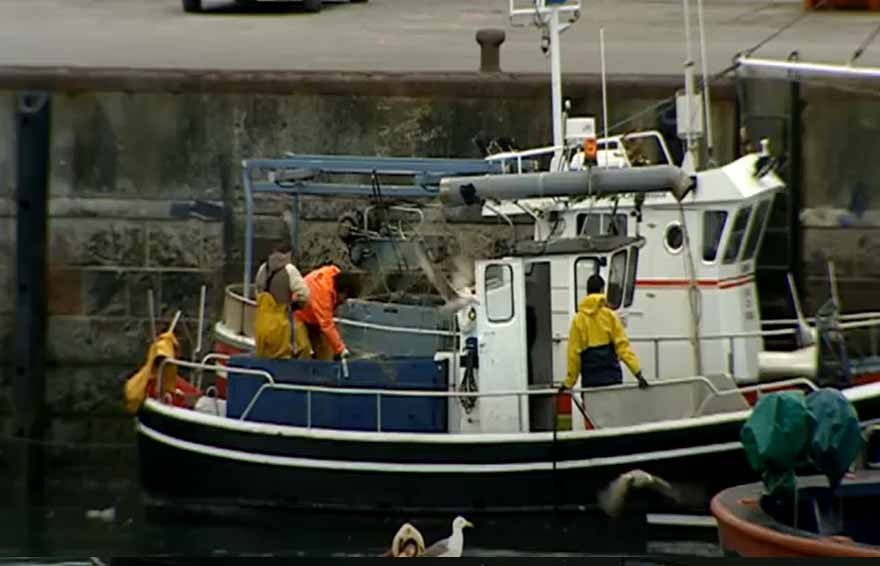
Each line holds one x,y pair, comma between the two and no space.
194,6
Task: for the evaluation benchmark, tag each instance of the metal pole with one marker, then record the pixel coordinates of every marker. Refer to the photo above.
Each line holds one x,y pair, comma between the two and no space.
604,91
704,61
689,163
656,358
33,125
821,69
151,305
556,83
249,229
832,279
378,412
795,182
201,327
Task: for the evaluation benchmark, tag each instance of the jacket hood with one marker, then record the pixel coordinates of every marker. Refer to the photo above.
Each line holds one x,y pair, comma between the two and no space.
591,304
277,260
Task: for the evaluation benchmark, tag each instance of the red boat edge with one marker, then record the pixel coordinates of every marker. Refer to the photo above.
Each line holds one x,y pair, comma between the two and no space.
744,529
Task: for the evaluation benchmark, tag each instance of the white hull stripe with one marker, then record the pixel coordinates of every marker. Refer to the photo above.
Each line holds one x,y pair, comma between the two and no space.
474,439
293,462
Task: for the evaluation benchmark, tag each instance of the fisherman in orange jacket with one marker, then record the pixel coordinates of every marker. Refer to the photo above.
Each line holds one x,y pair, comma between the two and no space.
315,332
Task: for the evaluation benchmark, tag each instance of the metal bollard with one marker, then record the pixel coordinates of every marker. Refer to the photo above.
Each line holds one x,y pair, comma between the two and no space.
490,41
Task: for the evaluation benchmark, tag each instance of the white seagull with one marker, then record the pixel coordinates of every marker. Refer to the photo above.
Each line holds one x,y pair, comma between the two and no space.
452,546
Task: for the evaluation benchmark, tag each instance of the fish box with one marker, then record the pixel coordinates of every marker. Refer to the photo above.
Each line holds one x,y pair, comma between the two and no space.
342,411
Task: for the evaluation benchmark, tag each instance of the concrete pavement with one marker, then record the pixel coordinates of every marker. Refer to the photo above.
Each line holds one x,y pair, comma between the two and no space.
643,37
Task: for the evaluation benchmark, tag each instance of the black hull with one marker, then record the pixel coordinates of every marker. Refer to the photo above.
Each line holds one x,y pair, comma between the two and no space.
189,460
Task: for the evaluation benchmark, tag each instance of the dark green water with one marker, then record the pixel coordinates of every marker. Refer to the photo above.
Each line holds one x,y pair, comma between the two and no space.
83,480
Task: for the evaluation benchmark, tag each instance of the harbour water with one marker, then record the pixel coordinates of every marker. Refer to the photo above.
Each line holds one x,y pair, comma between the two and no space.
92,506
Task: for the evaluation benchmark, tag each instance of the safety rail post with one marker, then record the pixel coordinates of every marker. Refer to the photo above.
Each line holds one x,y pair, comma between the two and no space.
379,411
519,423
309,409
656,342
730,358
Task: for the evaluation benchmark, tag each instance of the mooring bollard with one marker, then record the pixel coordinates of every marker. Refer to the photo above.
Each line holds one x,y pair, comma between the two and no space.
490,41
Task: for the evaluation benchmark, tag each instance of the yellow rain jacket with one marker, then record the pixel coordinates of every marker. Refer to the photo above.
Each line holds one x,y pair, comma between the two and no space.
597,343
272,328
165,346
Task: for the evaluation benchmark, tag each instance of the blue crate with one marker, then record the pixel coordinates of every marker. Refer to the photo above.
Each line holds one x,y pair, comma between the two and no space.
342,411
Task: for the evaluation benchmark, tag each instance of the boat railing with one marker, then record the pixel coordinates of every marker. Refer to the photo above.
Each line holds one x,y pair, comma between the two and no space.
270,384
845,318
200,367
603,144
715,393
855,322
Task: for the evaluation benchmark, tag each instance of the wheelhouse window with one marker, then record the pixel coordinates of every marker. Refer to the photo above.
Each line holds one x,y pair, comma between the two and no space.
713,229
755,230
597,224
584,267
616,278
499,293
734,243
631,270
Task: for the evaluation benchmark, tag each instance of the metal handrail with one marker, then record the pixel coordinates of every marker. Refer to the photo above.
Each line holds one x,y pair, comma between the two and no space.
379,393
798,381
271,384
205,360
212,367
235,295
871,315
402,329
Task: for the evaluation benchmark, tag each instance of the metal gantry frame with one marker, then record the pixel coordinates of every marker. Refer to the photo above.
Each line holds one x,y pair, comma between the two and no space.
298,175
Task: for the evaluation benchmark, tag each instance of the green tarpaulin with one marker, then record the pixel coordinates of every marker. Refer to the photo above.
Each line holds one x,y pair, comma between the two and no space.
777,437
787,431
837,439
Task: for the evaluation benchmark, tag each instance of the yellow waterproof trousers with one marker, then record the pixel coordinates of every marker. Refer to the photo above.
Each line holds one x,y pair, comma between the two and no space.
311,344
272,329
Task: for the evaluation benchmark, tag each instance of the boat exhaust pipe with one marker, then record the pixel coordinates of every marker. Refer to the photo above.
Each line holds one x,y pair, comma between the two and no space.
458,191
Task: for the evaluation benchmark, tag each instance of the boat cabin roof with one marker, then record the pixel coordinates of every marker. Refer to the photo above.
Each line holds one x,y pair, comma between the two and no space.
583,244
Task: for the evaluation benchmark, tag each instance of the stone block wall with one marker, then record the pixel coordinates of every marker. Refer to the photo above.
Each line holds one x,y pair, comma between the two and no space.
129,167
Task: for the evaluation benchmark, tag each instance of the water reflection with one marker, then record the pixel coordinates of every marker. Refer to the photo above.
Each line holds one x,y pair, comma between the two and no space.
92,506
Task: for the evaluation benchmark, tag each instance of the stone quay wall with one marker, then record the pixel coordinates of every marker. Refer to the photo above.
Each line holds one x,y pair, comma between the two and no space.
146,192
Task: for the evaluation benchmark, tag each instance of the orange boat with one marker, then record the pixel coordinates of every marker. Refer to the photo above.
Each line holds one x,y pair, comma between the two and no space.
839,524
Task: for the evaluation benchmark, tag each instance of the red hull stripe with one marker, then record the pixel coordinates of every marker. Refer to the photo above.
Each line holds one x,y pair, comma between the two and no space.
673,283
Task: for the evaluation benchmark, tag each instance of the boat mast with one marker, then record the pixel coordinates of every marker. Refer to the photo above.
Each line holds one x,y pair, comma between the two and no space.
707,108
689,163
546,15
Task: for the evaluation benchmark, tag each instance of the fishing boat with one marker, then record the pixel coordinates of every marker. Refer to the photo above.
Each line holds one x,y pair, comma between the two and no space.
473,428
414,323
452,403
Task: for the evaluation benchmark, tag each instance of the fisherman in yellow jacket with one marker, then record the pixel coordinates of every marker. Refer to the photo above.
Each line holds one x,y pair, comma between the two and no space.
597,343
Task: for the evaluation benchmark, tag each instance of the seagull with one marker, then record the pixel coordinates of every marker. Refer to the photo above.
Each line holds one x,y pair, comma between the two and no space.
614,496
451,546
407,543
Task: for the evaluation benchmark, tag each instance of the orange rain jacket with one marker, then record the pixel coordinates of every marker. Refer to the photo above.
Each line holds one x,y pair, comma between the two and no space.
322,302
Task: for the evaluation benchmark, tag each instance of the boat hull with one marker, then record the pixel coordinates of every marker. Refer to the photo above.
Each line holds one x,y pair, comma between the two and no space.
194,459
190,456
745,529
